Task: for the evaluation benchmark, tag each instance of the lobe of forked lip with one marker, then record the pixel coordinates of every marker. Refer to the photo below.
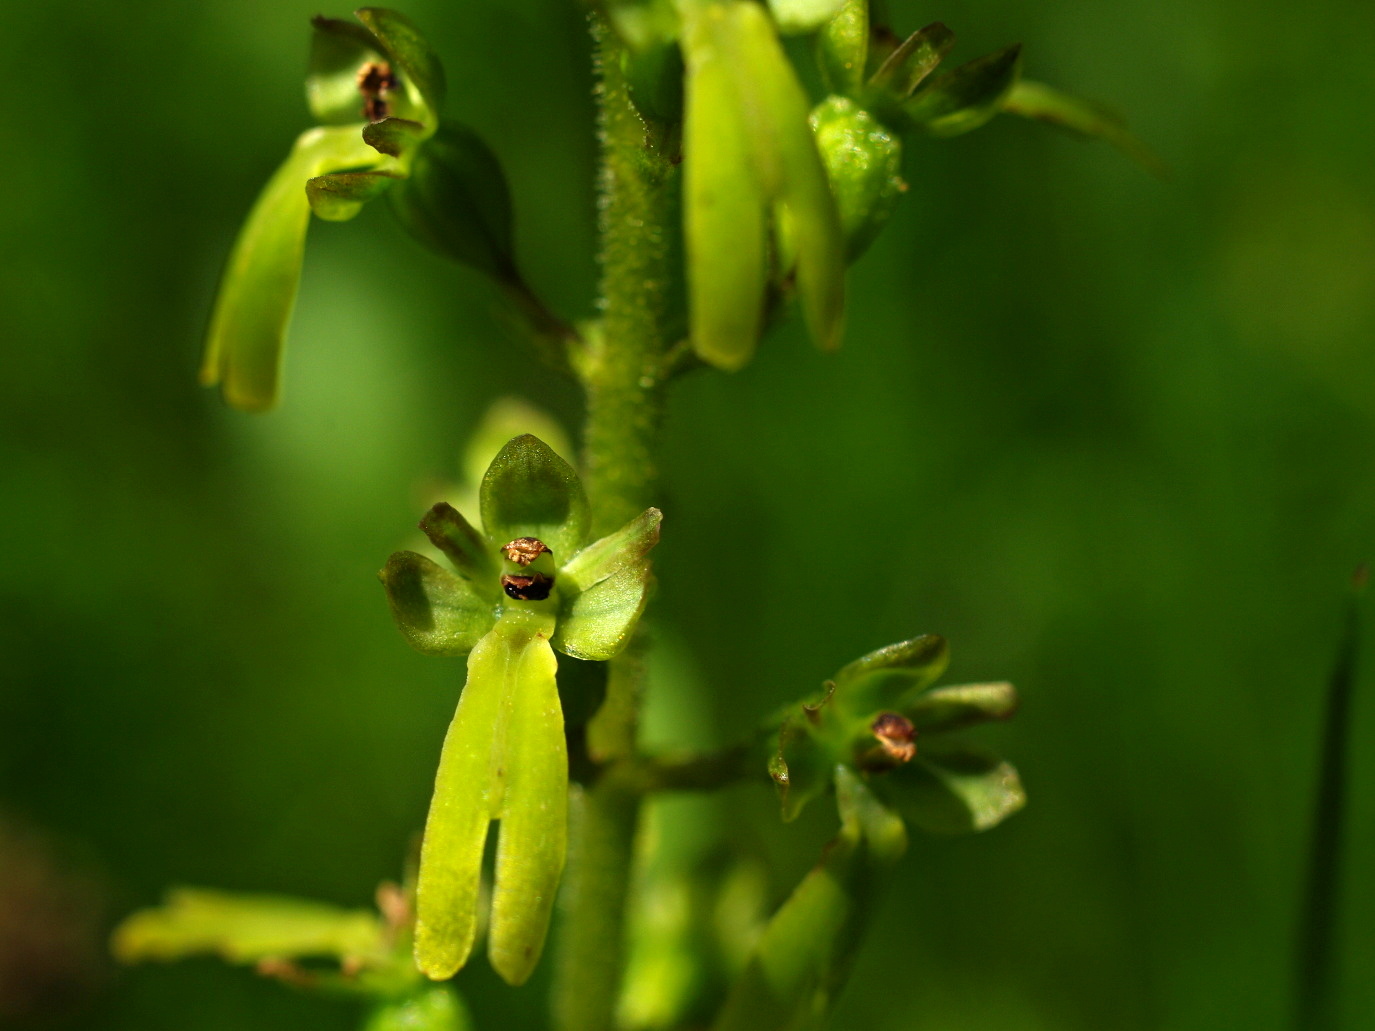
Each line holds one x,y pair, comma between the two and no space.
524,550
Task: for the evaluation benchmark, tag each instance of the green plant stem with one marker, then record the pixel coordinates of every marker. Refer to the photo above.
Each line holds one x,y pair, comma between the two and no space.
620,364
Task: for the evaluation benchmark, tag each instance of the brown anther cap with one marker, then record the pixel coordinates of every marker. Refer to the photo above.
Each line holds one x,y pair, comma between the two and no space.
524,550
895,735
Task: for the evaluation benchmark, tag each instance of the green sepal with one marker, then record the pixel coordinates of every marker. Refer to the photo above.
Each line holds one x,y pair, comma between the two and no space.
631,543
958,706
965,98
723,202
421,73
258,288
950,788
437,612
863,163
915,58
797,16
246,928
529,491
471,553
801,767
435,1008
395,136
457,203
775,112
803,958
596,623
843,48
340,196
338,49
1081,117
891,676
533,840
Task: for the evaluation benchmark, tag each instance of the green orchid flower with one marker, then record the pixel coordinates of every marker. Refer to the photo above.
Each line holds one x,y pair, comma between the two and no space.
881,719
527,586
376,91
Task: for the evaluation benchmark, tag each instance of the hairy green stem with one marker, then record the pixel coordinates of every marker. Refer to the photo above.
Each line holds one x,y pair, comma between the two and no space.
621,365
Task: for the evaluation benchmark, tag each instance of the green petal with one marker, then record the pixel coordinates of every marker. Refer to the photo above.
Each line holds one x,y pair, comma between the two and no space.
340,196
966,98
534,820
601,558
472,554
723,203
915,58
1083,117
775,110
804,15
243,928
258,289
437,612
951,789
436,1008
883,679
395,136
467,796
596,623
962,705
338,49
529,491
421,72
843,48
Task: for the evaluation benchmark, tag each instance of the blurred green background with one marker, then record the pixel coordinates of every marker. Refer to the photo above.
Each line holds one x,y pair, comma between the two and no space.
1111,436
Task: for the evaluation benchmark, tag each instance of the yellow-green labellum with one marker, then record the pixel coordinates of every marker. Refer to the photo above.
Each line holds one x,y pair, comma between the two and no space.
504,758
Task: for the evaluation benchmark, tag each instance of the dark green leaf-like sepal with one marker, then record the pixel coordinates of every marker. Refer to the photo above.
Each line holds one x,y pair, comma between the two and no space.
891,676
340,196
422,74
954,789
529,491
246,928
958,706
457,203
437,612
965,98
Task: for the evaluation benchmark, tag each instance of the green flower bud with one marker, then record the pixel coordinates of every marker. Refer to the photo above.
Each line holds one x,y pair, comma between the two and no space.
863,163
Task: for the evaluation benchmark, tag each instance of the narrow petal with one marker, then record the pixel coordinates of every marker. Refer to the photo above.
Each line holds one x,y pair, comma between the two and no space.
613,552
534,818
467,795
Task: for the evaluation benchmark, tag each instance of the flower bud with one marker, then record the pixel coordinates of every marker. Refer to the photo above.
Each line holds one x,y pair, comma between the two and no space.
863,162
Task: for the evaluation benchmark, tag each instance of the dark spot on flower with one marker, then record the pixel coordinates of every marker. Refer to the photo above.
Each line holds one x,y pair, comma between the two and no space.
895,734
527,588
375,81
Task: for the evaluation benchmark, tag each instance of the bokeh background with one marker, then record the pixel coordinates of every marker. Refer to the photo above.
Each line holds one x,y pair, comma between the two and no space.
1111,436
